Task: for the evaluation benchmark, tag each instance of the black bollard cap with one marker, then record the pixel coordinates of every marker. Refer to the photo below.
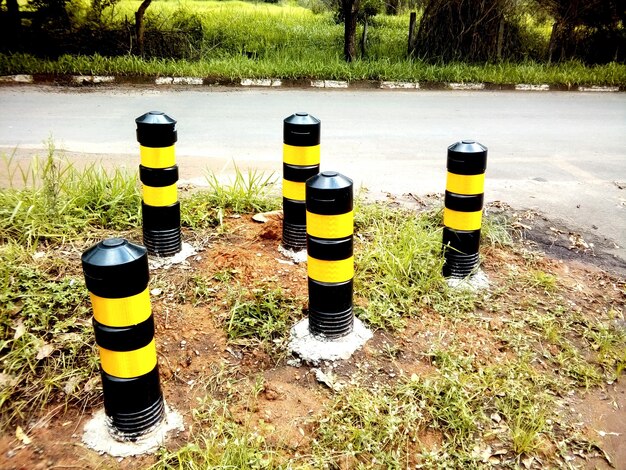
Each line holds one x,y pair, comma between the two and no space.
301,130
156,129
467,158
116,268
329,193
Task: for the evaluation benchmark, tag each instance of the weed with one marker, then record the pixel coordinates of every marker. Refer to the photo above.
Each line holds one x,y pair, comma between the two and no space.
398,267
56,202
46,341
262,316
540,279
251,192
496,230
226,441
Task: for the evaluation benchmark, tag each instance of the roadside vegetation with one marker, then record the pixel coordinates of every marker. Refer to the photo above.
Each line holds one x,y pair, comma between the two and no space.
452,379
230,40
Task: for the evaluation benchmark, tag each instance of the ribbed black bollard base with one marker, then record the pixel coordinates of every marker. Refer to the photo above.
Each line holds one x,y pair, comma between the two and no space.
162,242
133,406
131,426
331,325
459,265
294,236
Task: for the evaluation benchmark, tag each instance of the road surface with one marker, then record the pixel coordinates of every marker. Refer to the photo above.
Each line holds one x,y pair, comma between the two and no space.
561,153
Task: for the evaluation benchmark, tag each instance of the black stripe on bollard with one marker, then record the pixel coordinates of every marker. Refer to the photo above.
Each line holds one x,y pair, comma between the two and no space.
161,229
463,202
124,338
330,297
461,252
123,397
299,174
467,158
333,249
156,129
158,177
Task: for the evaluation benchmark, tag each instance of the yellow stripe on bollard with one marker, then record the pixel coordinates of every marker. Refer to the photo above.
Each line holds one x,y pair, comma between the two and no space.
301,156
163,157
331,271
160,196
126,311
465,184
294,190
330,226
462,220
129,364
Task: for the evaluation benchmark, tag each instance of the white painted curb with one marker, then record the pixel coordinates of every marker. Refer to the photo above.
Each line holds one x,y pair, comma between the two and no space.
466,86
268,82
599,89
529,87
400,85
80,79
329,84
179,81
16,78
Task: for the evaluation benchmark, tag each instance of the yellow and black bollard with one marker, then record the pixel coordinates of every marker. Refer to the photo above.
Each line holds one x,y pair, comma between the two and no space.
330,228
116,274
158,172
301,160
462,214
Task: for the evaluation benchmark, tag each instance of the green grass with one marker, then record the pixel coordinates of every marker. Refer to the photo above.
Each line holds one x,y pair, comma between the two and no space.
399,273
312,66
385,424
230,442
261,317
230,40
250,192
51,200
46,340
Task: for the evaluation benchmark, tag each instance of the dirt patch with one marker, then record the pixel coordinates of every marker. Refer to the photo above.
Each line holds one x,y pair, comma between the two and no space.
279,397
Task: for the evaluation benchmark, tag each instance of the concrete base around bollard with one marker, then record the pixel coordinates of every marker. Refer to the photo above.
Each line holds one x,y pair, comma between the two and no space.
99,436
296,256
476,282
313,349
157,262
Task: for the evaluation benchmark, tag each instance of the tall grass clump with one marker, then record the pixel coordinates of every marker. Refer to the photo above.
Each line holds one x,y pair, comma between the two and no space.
398,268
46,340
245,193
261,316
50,199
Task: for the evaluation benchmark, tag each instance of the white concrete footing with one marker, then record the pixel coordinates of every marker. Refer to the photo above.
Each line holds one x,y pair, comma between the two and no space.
475,282
313,349
99,436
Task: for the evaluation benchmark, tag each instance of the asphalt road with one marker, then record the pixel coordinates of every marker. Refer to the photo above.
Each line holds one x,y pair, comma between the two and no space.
563,154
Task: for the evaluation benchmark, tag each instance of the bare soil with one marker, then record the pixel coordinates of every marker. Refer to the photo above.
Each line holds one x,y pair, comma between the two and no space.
191,343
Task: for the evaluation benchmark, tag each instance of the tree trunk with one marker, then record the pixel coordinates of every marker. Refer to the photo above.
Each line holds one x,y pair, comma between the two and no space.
364,38
140,27
14,24
411,45
350,11
553,41
500,44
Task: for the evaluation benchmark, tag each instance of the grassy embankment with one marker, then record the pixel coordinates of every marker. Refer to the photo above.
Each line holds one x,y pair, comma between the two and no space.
234,40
